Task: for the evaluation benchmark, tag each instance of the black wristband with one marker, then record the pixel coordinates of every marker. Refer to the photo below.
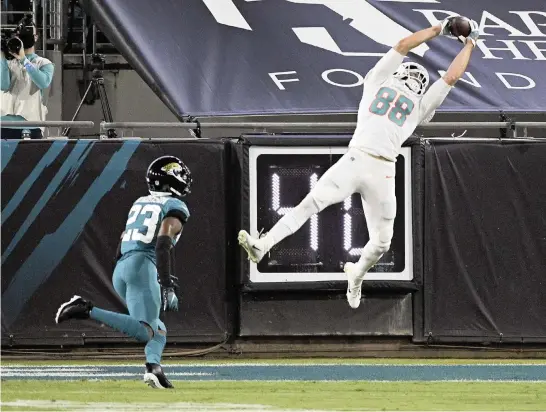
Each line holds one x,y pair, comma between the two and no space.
164,250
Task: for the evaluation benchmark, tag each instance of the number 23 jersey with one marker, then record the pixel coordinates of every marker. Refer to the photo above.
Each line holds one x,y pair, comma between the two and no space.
144,221
389,112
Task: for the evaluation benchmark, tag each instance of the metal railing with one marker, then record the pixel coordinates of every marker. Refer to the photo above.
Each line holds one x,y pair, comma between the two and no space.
288,126
265,126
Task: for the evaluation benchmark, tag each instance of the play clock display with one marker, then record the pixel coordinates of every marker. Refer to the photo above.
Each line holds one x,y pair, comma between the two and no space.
279,178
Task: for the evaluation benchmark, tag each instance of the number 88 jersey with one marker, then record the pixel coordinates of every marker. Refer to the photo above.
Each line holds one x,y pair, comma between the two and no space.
390,111
144,221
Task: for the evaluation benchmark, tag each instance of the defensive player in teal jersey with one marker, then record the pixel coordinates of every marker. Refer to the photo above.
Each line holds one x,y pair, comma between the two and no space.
144,273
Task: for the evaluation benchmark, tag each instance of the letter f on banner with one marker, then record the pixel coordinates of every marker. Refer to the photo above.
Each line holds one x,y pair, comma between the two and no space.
226,12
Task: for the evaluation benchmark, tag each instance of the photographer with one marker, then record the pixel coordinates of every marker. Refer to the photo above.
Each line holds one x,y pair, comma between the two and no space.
24,76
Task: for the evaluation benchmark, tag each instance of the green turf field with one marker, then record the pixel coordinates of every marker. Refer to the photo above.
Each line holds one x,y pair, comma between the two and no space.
270,396
340,396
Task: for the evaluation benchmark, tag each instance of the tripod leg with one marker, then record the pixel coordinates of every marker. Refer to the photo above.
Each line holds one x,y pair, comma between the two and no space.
65,131
106,112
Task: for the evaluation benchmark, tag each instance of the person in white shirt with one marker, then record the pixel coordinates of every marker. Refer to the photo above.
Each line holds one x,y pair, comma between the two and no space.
394,103
25,80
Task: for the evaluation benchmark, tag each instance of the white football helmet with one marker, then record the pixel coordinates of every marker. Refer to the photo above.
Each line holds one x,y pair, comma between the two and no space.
414,76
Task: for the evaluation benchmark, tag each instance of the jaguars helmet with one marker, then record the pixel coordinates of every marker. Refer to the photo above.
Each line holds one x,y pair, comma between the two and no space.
168,176
414,76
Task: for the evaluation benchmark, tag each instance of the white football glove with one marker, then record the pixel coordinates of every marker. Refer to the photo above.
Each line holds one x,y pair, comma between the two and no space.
474,33
446,26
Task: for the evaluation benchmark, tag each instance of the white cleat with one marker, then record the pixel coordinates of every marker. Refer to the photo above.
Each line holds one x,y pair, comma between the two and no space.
354,287
253,247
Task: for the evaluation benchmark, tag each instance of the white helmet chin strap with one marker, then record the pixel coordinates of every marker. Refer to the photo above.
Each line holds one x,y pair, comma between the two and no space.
164,194
176,192
160,194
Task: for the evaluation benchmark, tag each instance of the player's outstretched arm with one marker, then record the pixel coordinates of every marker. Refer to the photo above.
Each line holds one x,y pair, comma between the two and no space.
437,93
460,63
414,40
388,64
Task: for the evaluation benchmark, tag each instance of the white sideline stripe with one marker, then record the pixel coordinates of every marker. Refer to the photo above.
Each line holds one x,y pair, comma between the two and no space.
229,365
57,370
180,406
96,375
115,406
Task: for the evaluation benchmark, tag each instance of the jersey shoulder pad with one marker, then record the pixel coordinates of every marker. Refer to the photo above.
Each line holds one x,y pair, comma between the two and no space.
141,199
176,208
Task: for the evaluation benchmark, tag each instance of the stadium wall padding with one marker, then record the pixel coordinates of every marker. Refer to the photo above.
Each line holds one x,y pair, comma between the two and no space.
64,206
312,308
478,236
485,241
324,314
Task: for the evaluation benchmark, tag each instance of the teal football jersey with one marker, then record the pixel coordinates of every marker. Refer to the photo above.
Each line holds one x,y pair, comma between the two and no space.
145,219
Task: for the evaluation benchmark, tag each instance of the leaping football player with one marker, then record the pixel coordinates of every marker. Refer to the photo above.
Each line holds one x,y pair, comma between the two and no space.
394,102
144,273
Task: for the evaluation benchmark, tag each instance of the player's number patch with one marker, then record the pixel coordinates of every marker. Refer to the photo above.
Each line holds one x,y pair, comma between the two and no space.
382,105
150,213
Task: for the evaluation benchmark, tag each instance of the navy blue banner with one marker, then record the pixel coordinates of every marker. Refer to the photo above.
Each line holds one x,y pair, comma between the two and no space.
222,57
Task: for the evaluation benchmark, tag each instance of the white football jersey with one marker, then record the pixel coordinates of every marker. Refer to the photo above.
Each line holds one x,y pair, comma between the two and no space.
389,111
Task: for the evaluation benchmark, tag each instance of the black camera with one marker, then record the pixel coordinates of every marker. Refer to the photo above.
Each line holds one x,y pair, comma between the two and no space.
12,40
97,62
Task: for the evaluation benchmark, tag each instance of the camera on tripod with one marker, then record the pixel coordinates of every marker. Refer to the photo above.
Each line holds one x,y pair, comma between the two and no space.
92,73
93,84
11,39
97,63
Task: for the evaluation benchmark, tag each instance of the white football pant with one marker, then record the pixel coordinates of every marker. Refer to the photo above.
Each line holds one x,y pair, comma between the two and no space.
356,172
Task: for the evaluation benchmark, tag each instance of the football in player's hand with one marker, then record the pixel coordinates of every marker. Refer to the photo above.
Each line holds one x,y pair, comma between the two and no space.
460,26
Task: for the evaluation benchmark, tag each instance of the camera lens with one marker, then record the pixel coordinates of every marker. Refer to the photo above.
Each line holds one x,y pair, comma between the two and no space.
14,45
